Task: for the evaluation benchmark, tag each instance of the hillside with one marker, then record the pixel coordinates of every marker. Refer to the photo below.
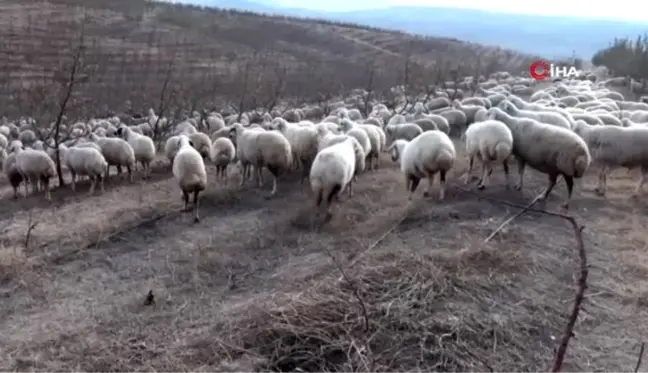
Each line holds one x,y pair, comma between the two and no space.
131,45
549,36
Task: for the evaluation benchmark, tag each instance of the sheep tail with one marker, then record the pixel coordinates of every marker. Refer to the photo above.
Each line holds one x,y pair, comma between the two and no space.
445,160
581,165
318,188
502,151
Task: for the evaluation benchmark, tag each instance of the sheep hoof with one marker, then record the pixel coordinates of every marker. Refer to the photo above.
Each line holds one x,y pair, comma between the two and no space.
426,194
565,206
196,220
328,217
481,186
518,187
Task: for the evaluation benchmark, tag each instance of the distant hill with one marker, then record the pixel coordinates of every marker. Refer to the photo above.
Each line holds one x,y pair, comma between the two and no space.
548,36
130,43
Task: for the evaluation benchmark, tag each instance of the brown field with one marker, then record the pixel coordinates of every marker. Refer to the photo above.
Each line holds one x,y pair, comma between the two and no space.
387,285
254,287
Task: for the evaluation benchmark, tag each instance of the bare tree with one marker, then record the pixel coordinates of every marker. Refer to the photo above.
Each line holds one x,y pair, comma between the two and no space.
68,81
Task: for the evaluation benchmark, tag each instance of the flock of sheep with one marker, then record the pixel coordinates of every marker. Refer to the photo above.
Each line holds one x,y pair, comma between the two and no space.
560,130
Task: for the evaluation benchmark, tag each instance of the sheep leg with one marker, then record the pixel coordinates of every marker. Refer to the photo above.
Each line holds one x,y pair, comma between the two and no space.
350,186
73,183
506,172
601,186
642,180
486,171
414,183
259,176
195,206
553,178
274,185
305,171
26,187
130,174
520,183
185,198
570,189
428,191
471,161
244,170
442,184
101,183
45,181
93,182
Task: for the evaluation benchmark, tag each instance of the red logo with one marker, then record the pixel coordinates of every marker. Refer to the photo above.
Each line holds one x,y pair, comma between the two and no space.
539,70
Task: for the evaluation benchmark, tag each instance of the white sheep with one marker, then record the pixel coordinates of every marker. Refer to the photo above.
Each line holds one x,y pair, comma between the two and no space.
333,170
404,131
430,153
261,149
142,145
9,167
614,146
117,152
303,142
202,143
85,161
222,153
35,166
489,141
547,148
189,171
548,117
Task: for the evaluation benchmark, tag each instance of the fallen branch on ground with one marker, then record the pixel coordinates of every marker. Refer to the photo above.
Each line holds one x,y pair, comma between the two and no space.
640,357
582,280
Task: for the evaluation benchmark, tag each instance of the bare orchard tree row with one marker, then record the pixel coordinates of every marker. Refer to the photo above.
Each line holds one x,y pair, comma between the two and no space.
91,80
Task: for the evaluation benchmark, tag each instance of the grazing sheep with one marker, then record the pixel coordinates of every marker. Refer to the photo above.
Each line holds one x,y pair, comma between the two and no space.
333,170
428,154
614,146
171,148
143,147
9,168
261,149
189,171
202,143
547,148
457,121
223,152
117,152
85,161
489,141
404,131
35,166
374,135
548,117
303,142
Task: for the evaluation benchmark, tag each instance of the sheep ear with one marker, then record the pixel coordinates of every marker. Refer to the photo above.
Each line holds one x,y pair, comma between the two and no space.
191,143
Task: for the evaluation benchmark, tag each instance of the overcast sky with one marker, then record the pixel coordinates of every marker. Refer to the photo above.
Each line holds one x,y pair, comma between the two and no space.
616,9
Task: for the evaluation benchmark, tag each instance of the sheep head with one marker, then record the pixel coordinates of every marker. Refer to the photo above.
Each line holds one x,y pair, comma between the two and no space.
396,149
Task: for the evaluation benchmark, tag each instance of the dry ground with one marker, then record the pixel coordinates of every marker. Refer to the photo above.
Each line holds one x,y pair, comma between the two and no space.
252,287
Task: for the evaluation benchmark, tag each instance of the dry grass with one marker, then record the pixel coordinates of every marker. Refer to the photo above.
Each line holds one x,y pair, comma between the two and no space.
250,288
